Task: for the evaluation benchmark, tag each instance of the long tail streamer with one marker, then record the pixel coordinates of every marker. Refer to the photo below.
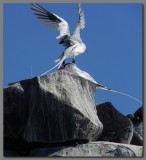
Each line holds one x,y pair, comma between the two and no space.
58,64
126,95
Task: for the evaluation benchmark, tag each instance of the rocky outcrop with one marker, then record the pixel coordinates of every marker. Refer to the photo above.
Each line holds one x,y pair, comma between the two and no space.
56,115
54,108
136,139
92,149
137,120
116,127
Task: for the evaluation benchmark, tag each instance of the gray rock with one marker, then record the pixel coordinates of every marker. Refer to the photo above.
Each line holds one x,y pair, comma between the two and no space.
11,153
137,120
92,149
139,129
116,127
15,110
137,117
53,108
136,139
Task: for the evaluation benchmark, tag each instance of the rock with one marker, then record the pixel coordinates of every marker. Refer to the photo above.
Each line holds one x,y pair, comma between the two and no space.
91,149
137,120
136,139
139,129
116,127
11,153
137,117
51,109
15,111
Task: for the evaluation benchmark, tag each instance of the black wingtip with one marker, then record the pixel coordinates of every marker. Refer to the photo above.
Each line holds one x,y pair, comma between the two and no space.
42,13
37,6
34,4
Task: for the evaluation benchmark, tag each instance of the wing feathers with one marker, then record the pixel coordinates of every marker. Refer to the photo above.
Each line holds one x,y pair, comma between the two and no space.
41,12
52,20
37,6
80,25
81,16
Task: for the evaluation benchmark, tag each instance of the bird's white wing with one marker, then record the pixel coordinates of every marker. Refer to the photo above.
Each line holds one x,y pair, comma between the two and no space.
81,17
80,25
52,20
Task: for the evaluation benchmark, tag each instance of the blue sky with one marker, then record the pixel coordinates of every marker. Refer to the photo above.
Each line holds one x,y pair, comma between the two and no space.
113,35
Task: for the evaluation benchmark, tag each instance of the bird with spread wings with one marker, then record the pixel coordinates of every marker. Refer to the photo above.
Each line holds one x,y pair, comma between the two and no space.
73,43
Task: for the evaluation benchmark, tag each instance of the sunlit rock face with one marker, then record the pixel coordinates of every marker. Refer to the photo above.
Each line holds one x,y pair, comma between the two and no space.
91,149
53,108
56,115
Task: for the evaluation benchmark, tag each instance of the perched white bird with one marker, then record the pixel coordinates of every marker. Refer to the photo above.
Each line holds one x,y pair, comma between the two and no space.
72,68
71,51
73,43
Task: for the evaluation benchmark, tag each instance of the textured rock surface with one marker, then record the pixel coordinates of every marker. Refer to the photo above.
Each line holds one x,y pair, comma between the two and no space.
139,129
53,108
116,127
136,139
15,111
55,115
92,149
138,115
137,120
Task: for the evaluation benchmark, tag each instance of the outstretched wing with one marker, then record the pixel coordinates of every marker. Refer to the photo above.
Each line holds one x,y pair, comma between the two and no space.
81,17
52,20
81,24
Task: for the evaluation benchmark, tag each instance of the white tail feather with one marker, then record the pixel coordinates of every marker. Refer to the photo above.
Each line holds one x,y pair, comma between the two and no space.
57,60
104,88
58,64
126,95
108,89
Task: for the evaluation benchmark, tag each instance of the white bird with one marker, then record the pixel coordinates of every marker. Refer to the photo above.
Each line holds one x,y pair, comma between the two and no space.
71,51
72,68
73,43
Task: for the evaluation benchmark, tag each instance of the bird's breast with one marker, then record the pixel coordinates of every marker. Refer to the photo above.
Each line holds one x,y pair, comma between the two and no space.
79,49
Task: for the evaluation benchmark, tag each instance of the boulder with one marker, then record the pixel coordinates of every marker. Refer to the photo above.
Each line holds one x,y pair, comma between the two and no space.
51,109
136,139
137,120
91,149
137,117
116,127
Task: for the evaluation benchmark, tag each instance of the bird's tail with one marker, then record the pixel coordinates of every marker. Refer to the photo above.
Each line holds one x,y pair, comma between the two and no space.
108,89
126,95
99,86
58,64
59,58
